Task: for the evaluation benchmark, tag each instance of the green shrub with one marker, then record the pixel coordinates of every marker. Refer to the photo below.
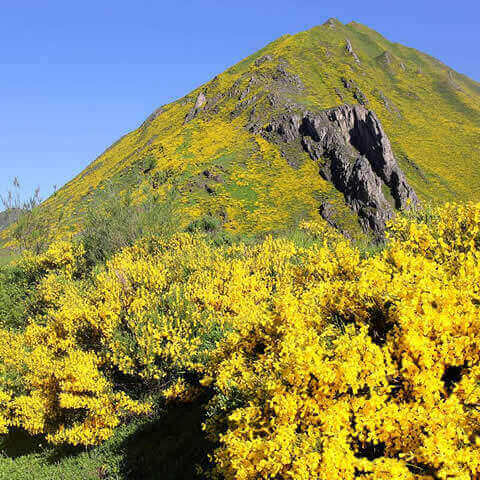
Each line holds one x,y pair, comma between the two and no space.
30,228
15,292
31,231
206,224
114,221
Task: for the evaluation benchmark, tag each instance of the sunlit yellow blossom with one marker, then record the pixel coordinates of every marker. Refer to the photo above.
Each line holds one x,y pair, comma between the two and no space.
319,363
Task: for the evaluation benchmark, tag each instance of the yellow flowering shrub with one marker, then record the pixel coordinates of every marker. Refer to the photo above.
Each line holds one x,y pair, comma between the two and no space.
363,368
320,362
60,256
79,367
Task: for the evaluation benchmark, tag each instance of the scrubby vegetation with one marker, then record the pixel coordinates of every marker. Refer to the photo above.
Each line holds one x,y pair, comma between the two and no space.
27,226
305,357
113,221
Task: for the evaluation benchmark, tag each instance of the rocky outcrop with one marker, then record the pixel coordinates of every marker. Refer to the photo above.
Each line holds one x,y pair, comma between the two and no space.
385,58
358,95
331,23
244,104
285,80
261,60
390,62
389,105
351,51
354,153
199,103
328,213
152,117
452,82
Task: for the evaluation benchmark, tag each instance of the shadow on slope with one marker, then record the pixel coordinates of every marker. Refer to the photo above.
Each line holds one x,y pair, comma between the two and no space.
172,446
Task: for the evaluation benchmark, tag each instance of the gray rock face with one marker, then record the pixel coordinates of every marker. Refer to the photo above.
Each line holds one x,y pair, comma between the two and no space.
328,213
331,23
452,81
265,58
385,58
282,77
358,95
244,104
351,51
355,154
152,117
389,105
199,103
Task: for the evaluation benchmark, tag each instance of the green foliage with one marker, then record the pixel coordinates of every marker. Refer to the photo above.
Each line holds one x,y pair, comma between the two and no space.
148,164
206,224
15,296
6,256
426,214
8,216
29,227
113,221
32,230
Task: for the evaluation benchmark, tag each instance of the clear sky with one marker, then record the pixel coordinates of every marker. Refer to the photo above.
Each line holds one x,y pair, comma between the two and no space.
75,76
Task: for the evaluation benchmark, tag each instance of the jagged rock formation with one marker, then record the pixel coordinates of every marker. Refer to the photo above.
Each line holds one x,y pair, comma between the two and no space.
389,105
351,51
385,58
331,23
452,82
328,213
263,59
355,154
152,117
358,95
391,62
199,103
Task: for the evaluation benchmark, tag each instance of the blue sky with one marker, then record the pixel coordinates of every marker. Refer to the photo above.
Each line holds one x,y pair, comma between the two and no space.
75,76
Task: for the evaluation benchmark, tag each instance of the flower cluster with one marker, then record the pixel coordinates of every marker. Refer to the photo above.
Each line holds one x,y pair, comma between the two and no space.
321,362
362,367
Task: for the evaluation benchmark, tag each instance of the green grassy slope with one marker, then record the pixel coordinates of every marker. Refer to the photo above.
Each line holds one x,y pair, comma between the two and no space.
220,167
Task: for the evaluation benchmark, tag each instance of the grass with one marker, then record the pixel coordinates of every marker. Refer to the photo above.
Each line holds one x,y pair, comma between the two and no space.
6,256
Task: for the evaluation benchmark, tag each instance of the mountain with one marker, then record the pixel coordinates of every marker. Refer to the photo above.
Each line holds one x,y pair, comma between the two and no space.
335,122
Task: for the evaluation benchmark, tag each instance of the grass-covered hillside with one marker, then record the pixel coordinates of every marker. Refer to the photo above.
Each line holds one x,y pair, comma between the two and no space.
209,150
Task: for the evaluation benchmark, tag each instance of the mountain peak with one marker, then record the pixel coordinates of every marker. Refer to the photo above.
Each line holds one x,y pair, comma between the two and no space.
332,23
